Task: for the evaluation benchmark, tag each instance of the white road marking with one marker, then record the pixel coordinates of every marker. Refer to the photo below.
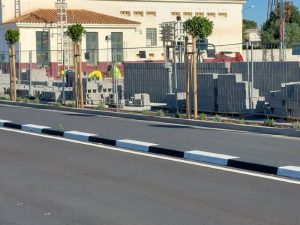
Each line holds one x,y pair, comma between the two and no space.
47,214
269,177
19,204
157,122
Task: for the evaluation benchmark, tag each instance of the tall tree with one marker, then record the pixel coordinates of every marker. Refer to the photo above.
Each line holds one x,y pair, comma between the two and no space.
270,32
248,24
199,28
76,32
12,37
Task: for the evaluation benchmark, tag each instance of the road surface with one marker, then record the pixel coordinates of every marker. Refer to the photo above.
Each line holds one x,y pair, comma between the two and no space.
258,148
47,181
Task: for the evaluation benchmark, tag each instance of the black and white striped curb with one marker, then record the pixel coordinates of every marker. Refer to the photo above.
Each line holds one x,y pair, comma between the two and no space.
194,155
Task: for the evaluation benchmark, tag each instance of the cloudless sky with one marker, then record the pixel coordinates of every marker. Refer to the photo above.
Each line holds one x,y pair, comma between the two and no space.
259,12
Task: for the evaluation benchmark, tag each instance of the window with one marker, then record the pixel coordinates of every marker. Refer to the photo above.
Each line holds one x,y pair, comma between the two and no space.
92,48
175,13
188,14
42,47
125,13
117,46
138,13
151,37
211,14
69,54
224,15
199,14
151,13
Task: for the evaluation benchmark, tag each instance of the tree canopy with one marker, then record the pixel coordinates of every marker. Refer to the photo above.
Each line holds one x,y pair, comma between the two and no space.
76,32
270,32
12,36
248,24
199,27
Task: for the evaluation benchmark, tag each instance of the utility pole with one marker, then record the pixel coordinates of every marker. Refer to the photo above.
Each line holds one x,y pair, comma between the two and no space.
62,40
17,8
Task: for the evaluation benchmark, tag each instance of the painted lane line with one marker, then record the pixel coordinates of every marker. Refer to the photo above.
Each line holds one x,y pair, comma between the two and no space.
289,171
4,121
34,128
146,154
135,145
82,136
208,157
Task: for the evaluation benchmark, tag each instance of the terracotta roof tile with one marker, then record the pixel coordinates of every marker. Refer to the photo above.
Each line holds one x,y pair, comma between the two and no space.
74,16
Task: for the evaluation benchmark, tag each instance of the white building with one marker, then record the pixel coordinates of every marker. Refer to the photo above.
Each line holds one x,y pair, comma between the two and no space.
226,14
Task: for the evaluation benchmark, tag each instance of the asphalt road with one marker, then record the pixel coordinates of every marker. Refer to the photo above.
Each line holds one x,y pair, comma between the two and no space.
52,182
259,148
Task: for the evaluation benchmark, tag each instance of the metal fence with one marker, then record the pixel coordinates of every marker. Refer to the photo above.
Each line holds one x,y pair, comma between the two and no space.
237,78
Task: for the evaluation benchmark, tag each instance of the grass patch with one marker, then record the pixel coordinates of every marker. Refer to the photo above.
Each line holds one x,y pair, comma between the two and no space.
217,118
296,125
160,113
203,116
269,122
100,106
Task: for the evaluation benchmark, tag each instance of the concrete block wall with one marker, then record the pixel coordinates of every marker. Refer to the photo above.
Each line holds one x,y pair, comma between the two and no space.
286,101
268,76
234,95
207,92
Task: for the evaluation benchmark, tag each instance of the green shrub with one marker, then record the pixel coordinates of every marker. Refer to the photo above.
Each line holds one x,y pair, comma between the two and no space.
241,121
70,104
217,118
36,100
296,125
203,116
19,99
146,112
269,122
100,106
179,115
57,104
160,113
4,97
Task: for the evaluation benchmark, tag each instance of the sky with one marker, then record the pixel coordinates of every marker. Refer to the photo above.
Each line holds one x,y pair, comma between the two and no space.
259,12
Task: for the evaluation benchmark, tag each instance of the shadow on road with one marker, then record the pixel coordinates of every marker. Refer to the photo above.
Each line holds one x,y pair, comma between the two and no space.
77,114
169,126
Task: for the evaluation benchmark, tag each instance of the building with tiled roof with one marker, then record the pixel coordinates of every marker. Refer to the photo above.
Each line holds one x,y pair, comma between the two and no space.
115,24
39,36
49,16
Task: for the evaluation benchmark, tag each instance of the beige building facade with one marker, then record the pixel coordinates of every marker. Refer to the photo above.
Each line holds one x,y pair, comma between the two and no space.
226,15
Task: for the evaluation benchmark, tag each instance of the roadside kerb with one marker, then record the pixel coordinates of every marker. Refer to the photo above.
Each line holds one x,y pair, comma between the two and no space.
194,155
290,132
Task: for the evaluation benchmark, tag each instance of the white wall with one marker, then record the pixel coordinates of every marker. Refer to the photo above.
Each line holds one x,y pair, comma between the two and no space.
28,40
